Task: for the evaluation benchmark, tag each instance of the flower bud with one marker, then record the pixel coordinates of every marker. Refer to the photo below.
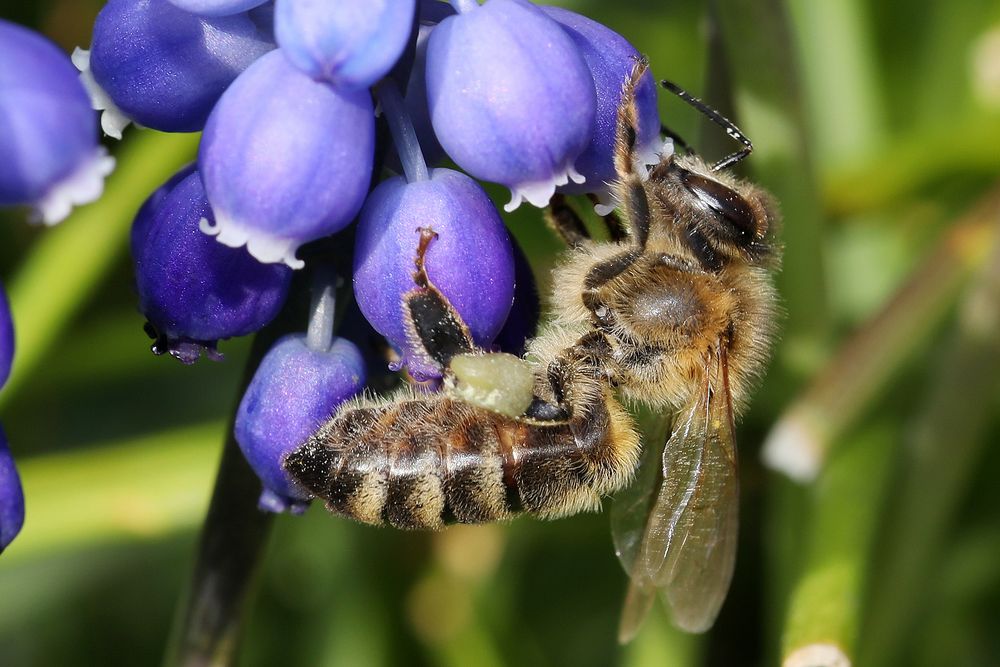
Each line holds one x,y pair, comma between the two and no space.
610,58
285,159
193,290
11,496
216,7
470,261
350,43
51,158
511,98
162,67
6,338
294,391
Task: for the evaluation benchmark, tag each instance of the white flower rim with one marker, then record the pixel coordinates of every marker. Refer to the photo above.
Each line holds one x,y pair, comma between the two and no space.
113,119
266,248
538,193
83,185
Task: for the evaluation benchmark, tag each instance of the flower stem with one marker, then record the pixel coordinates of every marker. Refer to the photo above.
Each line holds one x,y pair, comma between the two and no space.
231,545
403,135
319,335
463,5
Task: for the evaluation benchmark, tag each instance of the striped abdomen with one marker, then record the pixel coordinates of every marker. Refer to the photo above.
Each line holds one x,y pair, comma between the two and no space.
427,461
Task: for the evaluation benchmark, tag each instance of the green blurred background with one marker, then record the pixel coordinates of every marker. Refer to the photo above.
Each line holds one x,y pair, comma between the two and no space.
877,125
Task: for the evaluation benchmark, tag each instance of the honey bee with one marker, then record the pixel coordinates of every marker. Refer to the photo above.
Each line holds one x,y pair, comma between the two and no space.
676,312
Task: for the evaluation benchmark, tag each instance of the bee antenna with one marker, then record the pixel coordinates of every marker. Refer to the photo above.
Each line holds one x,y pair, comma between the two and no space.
729,126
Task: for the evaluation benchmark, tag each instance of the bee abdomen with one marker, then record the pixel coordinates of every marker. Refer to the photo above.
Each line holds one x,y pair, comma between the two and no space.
423,463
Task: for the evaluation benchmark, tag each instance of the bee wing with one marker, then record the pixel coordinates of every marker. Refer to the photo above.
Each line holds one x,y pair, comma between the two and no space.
630,520
688,545
631,507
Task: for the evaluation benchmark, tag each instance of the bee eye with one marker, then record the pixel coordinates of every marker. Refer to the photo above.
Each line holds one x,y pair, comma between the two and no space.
723,201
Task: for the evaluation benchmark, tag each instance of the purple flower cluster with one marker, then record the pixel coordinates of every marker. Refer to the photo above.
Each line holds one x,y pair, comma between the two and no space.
51,158
11,495
51,162
288,94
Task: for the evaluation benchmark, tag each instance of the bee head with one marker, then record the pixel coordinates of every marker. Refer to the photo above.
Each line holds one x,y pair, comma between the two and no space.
719,218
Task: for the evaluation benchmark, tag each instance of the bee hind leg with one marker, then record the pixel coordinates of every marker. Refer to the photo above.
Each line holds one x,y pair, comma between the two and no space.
434,328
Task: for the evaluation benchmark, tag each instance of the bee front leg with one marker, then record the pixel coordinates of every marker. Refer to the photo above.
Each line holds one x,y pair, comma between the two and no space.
629,188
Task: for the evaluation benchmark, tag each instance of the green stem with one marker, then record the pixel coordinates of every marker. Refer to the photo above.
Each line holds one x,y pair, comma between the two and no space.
76,496
842,93
230,551
769,97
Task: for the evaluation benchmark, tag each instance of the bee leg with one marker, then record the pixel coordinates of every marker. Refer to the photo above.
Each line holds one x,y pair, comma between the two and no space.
629,186
433,325
561,217
598,275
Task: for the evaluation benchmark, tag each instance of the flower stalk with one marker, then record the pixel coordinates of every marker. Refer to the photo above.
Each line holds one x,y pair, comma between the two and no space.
230,550
404,137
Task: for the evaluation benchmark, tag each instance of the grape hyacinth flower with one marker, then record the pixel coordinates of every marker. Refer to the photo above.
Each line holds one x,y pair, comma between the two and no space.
349,43
162,67
192,290
11,495
470,261
216,7
51,158
610,58
298,386
285,159
511,98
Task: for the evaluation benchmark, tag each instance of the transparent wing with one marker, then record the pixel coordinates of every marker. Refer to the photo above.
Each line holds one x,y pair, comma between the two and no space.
630,516
631,507
688,546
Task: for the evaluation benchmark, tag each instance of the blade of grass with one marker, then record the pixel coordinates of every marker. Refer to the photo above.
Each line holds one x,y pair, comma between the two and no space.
907,166
846,109
141,488
946,440
65,268
799,442
843,514
660,643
